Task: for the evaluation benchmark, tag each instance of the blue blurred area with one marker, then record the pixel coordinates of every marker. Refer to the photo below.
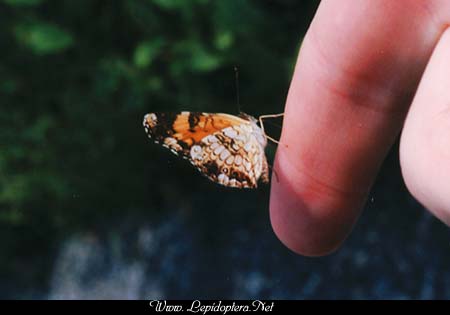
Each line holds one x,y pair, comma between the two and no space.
396,251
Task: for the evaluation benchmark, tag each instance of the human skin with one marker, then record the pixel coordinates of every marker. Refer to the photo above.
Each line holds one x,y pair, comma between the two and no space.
355,86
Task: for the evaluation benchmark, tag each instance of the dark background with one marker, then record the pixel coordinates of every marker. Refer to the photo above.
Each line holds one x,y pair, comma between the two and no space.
89,208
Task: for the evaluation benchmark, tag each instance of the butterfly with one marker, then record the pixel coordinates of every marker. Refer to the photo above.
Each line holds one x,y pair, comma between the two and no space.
228,149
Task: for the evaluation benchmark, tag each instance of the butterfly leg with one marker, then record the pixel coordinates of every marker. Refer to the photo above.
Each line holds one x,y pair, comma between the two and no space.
275,172
261,118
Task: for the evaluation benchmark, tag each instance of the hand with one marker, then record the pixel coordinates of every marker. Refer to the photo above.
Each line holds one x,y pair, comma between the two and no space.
352,92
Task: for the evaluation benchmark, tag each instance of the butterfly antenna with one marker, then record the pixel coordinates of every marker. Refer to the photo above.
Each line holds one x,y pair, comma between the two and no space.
236,75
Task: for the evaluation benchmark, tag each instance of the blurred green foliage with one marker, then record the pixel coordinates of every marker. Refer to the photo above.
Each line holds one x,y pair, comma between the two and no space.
76,78
42,38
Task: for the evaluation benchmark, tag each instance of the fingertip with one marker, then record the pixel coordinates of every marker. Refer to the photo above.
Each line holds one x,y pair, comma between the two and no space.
307,217
425,141
346,104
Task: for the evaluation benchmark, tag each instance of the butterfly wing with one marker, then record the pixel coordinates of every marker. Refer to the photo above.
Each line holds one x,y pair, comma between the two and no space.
231,157
179,131
225,148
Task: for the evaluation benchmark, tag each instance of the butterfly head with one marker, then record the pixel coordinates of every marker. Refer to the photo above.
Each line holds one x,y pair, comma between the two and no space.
248,117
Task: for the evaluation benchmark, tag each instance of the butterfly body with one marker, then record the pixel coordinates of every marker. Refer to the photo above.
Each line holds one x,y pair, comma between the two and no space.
228,149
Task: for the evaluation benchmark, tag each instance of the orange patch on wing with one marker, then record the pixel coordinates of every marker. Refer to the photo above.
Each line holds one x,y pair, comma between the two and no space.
207,124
